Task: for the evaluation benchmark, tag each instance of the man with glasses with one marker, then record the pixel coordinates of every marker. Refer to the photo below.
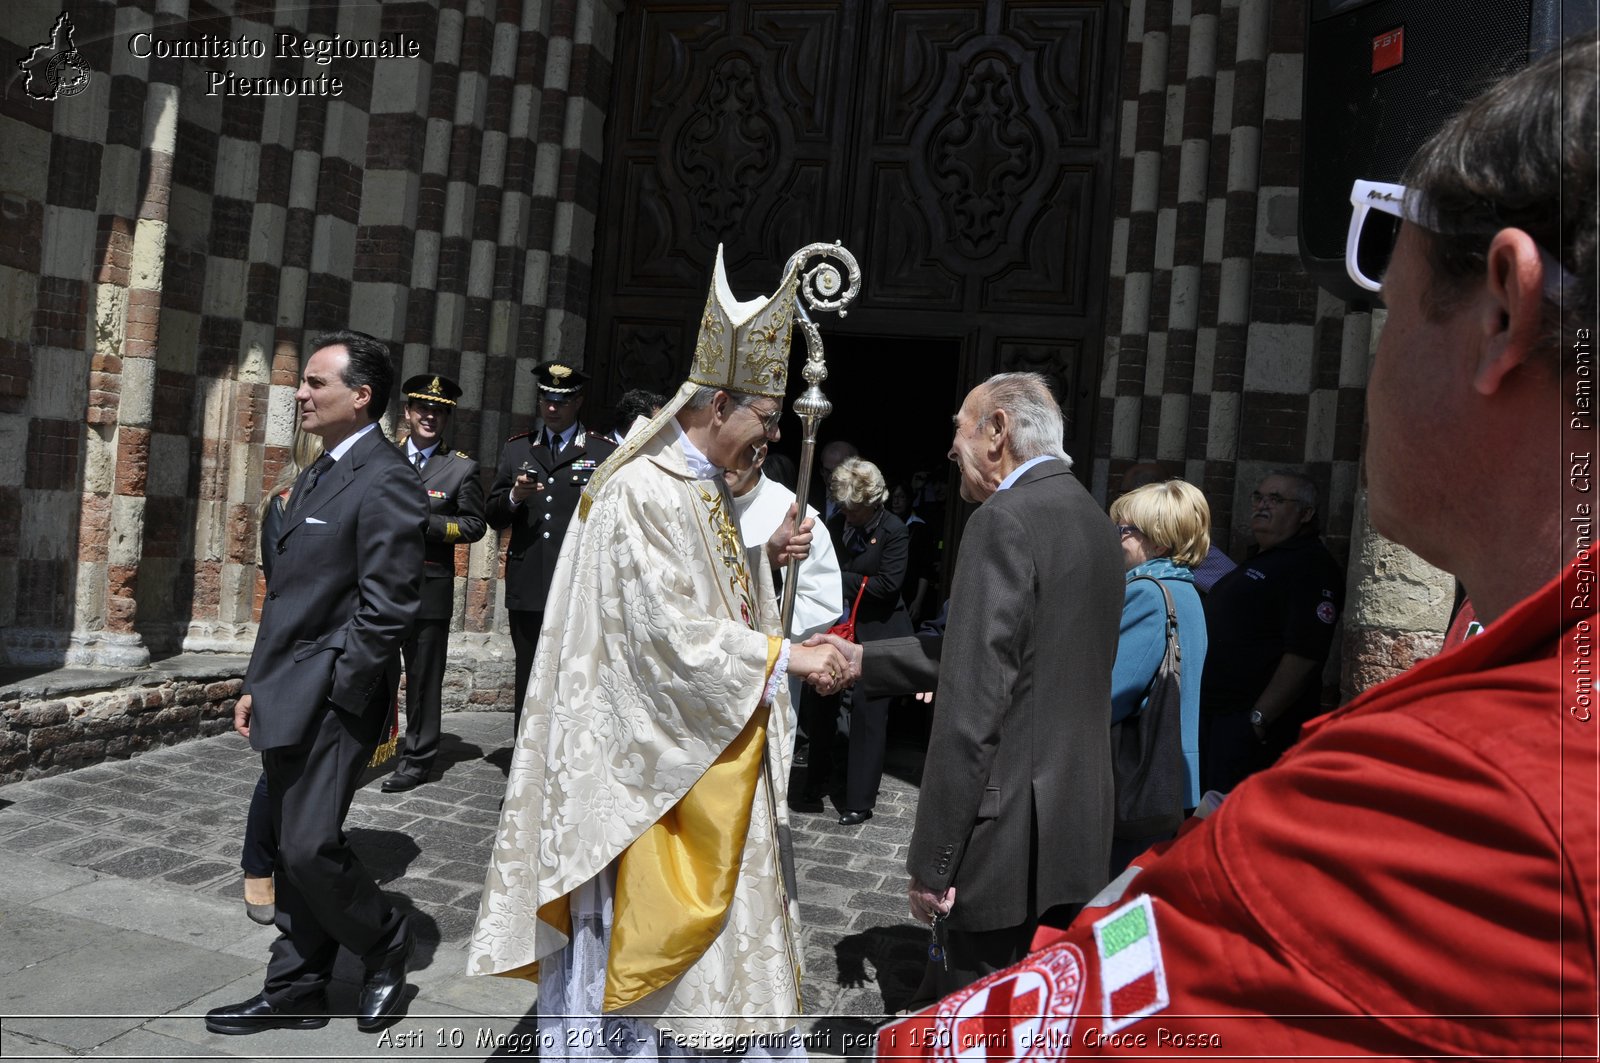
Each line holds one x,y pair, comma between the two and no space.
639,873
1416,878
536,487
1271,623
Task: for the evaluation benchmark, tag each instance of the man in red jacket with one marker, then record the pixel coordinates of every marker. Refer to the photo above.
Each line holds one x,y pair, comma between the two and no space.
1417,876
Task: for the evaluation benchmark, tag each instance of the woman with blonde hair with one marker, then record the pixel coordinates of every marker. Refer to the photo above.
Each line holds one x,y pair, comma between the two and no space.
874,548
1165,531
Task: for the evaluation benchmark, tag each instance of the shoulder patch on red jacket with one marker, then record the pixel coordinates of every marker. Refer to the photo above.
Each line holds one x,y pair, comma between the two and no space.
1133,979
1023,1012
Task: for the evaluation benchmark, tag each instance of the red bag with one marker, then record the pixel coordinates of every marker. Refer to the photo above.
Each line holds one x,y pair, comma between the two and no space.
846,628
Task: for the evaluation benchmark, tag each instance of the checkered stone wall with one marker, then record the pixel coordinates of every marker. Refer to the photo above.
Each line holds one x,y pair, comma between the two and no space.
1223,359
166,252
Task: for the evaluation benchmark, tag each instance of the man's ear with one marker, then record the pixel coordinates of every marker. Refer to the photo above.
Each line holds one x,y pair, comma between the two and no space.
998,427
363,397
1511,313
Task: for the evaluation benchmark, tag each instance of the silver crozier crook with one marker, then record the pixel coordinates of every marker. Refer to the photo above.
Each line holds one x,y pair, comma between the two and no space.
822,287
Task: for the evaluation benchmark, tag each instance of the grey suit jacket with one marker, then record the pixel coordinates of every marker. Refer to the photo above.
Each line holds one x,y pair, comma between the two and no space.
346,583
1016,805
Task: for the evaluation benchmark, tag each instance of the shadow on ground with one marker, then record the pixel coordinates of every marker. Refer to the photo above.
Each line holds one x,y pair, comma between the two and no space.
897,953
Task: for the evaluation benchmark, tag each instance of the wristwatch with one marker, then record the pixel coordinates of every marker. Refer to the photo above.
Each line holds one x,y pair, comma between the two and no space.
1256,719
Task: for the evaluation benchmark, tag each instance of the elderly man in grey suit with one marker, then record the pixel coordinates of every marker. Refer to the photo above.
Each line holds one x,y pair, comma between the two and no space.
1016,809
345,590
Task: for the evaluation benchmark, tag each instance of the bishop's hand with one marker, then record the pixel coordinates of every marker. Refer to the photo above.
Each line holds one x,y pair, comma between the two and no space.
792,540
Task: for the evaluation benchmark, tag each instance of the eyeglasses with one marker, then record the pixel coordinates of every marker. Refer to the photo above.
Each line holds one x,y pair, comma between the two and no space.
1274,499
1128,529
1367,248
769,421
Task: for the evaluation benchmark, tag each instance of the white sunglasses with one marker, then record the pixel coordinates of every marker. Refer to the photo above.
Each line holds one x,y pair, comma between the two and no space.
1401,202
1395,200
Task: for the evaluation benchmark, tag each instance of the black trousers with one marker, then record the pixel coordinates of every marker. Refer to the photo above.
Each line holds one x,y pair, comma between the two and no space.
424,654
525,642
260,856
325,896
1229,750
869,726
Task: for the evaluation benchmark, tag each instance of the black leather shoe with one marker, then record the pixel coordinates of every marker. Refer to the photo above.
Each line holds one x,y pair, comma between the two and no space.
257,1014
805,802
852,819
383,994
400,782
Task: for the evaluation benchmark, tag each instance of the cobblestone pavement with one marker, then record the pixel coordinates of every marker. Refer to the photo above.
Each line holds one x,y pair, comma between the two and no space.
121,920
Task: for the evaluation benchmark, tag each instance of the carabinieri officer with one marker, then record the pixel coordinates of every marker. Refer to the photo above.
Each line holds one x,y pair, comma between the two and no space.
541,475
455,515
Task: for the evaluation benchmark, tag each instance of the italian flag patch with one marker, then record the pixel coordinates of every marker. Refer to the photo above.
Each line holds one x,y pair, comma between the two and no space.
1133,982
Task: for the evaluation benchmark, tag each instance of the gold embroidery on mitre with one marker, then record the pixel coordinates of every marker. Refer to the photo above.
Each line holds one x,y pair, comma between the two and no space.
744,346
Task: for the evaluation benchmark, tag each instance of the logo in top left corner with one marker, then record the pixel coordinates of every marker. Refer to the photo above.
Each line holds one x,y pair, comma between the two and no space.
55,69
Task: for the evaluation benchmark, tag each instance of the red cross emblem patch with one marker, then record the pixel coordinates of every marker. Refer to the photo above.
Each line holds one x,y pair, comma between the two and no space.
1022,1012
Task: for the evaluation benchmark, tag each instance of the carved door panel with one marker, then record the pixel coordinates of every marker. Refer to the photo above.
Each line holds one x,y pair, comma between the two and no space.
725,127
962,150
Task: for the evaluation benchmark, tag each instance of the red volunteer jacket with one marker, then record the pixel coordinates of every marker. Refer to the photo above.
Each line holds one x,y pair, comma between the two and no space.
1416,877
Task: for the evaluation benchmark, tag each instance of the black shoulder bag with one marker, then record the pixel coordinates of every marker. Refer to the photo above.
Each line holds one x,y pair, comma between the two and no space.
1147,748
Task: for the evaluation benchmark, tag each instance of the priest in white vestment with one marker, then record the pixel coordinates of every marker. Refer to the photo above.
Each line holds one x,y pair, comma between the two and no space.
762,505
641,873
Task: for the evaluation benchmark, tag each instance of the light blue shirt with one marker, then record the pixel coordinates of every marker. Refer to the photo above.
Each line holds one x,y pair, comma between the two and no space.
1024,467
416,454
563,440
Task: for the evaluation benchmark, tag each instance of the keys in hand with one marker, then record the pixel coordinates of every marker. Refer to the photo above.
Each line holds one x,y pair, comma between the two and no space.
936,949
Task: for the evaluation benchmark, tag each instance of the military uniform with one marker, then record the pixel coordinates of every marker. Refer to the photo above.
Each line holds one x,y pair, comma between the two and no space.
455,515
539,522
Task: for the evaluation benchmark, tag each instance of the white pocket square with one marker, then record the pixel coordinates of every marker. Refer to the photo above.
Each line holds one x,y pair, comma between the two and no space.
314,520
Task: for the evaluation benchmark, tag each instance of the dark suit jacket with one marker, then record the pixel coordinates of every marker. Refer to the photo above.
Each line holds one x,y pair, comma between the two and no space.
455,515
1016,805
540,522
882,564
346,584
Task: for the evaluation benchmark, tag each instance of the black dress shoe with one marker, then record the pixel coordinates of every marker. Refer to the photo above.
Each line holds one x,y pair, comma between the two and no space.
803,802
257,1014
400,782
851,819
383,994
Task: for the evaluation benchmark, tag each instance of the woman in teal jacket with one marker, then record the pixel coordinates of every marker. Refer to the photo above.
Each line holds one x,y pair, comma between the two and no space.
1165,530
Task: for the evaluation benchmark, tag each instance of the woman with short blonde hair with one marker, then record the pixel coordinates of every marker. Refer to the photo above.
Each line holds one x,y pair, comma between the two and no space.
1174,518
1165,529
857,482
874,549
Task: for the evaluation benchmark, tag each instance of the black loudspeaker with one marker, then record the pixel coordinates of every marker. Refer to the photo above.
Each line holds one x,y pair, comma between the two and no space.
1381,76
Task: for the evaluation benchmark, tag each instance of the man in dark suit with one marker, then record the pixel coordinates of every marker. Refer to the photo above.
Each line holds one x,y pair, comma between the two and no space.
536,487
455,515
1016,809
345,589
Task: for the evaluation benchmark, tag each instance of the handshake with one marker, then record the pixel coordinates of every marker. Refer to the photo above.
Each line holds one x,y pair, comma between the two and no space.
826,662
